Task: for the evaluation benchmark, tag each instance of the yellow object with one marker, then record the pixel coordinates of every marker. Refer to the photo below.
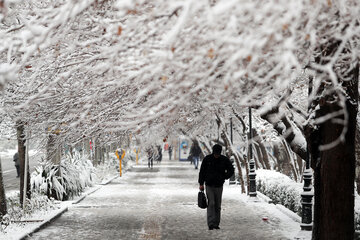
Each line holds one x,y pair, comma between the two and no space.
137,155
120,159
123,154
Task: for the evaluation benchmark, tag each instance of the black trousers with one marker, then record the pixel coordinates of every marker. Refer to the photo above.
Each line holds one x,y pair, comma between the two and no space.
214,196
150,162
17,170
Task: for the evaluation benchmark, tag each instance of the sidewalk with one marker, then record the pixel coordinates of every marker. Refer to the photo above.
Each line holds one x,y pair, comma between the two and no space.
161,203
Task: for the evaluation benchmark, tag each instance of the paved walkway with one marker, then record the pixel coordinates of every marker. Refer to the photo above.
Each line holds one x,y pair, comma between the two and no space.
160,203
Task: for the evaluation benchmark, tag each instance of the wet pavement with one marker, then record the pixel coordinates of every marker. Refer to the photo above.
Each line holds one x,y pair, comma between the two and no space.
161,203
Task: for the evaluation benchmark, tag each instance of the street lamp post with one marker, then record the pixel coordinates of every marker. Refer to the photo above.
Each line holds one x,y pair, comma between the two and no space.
232,178
231,131
306,199
307,194
252,174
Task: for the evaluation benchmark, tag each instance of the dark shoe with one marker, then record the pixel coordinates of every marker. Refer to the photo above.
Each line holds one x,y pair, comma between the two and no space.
211,228
17,176
217,227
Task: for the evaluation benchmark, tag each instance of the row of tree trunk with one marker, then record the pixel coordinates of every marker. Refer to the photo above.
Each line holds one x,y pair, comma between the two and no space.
54,153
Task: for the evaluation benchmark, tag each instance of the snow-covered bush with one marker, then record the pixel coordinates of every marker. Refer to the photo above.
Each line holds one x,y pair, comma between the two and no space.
280,188
75,175
107,169
129,159
38,202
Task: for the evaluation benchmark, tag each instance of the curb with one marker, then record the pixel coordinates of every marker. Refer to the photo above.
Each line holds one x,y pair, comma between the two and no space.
94,190
109,180
288,213
86,194
43,224
280,207
264,197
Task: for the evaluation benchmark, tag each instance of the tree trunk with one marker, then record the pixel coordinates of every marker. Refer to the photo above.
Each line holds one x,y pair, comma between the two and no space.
103,154
258,156
283,160
107,152
86,147
357,154
300,162
265,156
291,161
22,152
236,159
334,168
3,209
53,152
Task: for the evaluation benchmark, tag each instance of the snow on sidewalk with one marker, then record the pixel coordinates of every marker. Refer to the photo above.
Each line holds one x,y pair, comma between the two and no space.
161,203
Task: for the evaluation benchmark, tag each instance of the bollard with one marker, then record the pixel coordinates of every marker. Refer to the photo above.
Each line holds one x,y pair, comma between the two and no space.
232,179
306,201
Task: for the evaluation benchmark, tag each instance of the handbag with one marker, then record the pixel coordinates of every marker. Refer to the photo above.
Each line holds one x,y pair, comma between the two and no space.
202,201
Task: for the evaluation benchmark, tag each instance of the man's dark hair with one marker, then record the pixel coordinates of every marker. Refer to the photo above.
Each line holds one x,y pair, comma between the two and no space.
217,149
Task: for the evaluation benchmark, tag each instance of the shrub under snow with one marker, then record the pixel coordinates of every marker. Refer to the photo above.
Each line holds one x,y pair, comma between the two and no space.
280,188
75,175
283,190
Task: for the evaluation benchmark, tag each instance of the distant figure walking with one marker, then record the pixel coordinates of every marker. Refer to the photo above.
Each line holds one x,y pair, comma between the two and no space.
195,152
170,152
17,164
159,155
214,169
150,155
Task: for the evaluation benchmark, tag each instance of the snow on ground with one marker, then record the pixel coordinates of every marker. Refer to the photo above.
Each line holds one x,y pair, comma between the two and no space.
29,223
160,203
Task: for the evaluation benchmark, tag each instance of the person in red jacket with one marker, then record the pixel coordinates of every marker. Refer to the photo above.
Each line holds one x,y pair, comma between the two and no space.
215,168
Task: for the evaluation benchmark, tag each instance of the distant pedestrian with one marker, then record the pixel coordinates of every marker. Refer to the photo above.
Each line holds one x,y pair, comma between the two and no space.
159,153
214,169
150,155
17,163
195,152
170,152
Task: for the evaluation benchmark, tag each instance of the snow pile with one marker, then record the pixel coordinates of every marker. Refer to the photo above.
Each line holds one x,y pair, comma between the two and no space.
357,212
280,188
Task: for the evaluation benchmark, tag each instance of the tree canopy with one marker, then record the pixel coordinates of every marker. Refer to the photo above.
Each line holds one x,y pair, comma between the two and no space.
115,66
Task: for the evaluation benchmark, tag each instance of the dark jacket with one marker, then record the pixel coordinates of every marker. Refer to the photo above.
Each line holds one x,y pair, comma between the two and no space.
214,171
16,159
195,150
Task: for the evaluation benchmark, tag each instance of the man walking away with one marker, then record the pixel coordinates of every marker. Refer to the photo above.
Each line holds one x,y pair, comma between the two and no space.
214,169
195,152
17,164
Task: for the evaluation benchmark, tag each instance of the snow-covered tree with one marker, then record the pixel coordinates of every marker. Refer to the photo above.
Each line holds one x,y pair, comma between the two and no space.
104,67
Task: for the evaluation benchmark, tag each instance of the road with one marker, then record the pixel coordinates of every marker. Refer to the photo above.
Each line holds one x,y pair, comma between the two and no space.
9,171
